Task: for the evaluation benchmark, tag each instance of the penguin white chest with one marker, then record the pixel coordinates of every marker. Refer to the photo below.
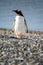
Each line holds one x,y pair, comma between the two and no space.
20,27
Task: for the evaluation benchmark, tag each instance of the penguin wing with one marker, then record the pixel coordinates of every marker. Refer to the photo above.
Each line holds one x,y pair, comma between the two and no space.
26,25
13,25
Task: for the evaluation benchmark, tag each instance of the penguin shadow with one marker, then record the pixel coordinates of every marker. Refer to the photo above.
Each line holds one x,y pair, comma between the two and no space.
22,38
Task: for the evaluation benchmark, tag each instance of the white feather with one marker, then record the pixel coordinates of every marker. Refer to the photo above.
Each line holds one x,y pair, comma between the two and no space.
19,27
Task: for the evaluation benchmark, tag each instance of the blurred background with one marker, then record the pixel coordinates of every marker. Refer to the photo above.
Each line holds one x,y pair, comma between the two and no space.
32,10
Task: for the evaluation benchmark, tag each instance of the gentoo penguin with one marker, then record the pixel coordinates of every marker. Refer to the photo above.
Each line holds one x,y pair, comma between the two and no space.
20,26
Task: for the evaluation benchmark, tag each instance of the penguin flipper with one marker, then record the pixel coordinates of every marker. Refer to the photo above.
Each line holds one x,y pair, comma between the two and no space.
13,25
26,25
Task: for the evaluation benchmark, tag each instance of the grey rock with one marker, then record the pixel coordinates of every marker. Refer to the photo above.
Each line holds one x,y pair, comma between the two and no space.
21,51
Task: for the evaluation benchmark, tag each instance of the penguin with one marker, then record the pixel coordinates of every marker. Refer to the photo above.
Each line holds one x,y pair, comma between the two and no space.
19,25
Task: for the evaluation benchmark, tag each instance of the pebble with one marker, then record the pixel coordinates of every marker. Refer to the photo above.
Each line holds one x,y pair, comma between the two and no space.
21,52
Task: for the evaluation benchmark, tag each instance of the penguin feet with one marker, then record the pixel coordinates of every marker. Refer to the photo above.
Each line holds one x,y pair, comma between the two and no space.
20,35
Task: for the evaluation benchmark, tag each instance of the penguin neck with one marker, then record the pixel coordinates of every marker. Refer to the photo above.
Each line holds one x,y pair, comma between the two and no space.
18,17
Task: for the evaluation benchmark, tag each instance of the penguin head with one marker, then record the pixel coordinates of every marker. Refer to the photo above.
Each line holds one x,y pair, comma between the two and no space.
18,12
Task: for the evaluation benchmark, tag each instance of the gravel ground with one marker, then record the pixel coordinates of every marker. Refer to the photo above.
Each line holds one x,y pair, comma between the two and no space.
14,51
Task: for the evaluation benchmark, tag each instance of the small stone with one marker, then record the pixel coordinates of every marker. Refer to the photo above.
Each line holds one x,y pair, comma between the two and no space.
3,53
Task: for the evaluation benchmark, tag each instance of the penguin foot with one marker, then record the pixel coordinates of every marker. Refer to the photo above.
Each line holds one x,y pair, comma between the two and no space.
20,35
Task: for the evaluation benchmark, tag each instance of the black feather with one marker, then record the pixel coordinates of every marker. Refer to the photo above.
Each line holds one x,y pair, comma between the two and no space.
18,12
26,26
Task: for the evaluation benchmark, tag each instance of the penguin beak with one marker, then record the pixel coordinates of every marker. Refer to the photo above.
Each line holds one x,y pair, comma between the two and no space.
13,10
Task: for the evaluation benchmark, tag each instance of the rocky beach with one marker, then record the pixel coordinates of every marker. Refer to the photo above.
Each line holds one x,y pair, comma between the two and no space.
21,51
